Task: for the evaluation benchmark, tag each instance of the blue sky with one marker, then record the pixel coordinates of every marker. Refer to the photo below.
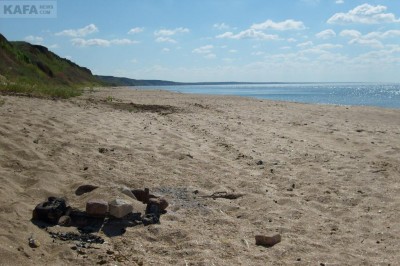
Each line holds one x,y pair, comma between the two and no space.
223,40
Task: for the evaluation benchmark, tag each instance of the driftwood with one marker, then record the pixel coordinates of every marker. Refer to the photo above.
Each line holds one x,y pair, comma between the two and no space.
224,195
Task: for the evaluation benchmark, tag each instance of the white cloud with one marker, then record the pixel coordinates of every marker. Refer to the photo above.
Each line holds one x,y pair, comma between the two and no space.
339,1
122,41
309,48
206,49
164,35
165,39
364,14
34,39
383,35
256,31
135,30
288,24
91,42
221,26
166,32
233,51
305,44
367,42
248,34
371,35
327,46
326,34
291,40
79,42
91,28
350,33
370,39
166,50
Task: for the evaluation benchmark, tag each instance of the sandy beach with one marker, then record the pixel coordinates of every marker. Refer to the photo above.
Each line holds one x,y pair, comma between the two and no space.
326,178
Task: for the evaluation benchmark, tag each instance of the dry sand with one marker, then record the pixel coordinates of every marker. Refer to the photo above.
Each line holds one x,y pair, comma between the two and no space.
329,181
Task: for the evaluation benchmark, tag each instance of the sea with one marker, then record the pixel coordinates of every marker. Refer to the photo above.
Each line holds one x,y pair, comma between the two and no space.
385,95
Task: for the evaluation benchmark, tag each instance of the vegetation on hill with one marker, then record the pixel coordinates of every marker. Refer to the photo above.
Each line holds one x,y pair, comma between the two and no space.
34,70
121,81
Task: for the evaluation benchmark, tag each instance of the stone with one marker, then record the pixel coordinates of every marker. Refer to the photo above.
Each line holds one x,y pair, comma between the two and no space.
50,211
161,202
128,192
268,241
120,208
103,150
33,243
97,207
142,195
84,189
64,220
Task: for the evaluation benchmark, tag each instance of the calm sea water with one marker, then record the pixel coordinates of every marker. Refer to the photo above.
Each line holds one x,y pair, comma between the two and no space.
382,95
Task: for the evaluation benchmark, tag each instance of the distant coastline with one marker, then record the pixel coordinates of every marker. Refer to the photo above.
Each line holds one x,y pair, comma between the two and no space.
123,81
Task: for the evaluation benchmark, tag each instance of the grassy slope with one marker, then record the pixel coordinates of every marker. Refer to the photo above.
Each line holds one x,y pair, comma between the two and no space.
34,70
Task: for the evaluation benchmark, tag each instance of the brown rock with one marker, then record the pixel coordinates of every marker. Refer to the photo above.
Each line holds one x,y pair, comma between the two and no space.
84,189
161,202
97,207
142,195
267,241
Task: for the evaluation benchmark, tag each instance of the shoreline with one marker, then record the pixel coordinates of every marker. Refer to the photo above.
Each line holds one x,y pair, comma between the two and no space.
327,181
268,93
155,88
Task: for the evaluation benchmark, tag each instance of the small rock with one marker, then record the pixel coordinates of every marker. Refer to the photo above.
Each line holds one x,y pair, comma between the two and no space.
85,168
120,208
103,150
97,207
84,189
267,241
33,243
64,220
36,141
260,162
110,252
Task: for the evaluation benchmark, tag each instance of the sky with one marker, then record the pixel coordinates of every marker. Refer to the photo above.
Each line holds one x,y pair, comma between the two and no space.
223,40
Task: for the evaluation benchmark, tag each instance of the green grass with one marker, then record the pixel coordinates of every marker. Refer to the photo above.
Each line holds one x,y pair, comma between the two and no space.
43,91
